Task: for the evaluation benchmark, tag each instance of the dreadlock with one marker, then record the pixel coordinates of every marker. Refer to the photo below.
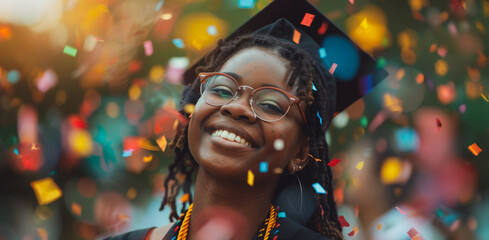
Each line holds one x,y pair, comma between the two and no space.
303,73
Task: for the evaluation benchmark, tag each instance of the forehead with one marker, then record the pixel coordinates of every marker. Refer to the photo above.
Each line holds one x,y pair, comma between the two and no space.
257,66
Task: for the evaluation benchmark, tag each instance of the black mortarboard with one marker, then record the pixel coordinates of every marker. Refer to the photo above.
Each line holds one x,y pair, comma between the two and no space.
355,72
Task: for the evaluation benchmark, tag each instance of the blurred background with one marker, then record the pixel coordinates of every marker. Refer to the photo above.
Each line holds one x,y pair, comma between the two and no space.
89,91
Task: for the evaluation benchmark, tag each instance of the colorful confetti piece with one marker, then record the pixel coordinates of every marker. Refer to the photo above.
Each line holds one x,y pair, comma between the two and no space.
333,162
314,87
475,149
323,28
212,30
307,20
359,165
343,221
263,167
317,159
46,190
414,234
320,119
185,198
297,36
148,158
148,47
251,178
178,43
76,208
485,94
333,68
318,188
281,215
246,3
68,50
322,53
161,141
379,226
400,210
127,153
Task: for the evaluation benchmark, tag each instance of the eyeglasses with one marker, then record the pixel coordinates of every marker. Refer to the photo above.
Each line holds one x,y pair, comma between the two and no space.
267,103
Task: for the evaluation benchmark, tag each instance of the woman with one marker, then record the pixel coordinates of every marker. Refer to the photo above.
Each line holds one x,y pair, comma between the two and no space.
263,102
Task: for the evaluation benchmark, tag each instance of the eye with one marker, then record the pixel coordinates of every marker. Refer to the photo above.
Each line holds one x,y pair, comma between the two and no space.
271,107
221,91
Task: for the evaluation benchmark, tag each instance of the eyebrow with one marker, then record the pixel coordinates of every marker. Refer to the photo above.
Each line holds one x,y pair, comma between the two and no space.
239,78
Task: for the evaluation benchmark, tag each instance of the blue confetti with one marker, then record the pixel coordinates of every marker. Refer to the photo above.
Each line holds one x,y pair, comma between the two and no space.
127,153
322,53
264,167
318,188
314,87
13,76
281,215
320,119
52,172
246,3
16,151
158,6
178,43
275,233
212,30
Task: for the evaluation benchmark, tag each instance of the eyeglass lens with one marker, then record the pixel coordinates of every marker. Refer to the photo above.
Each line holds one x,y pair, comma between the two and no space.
268,104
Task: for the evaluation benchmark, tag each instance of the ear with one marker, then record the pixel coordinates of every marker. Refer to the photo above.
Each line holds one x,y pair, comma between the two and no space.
301,158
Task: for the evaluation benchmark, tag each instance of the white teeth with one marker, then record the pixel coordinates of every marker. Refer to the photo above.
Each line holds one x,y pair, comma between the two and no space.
230,136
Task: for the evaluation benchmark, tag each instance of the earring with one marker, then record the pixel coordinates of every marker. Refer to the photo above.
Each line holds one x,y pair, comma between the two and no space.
300,167
300,186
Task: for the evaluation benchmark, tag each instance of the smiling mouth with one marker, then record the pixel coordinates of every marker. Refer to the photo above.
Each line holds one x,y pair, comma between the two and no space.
230,136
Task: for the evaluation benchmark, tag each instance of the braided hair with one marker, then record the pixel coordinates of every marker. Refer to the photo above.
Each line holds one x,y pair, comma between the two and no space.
303,74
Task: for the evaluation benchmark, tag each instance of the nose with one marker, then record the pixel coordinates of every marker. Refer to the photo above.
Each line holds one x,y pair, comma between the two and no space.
239,108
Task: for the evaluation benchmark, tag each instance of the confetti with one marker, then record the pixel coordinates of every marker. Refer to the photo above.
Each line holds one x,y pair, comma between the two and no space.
263,167
364,23
322,53
76,209
278,170
318,188
352,1
212,30
178,43
123,217
278,144
297,36
379,226
162,143
323,28
485,94
333,162
400,210
68,50
148,47
251,178
353,232
90,43
46,190
16,151
281,215
127,153
414,235
131,193
343,221
314,87
246,3
333,68
185,198
475,149
13,76
462,108
317,159
359,165
159,5
320,119
46,80
148,158
307,20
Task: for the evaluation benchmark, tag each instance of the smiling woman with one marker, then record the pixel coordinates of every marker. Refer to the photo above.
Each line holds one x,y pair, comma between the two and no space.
263,102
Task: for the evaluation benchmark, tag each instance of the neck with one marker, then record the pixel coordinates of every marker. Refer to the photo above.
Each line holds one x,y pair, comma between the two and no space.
244,206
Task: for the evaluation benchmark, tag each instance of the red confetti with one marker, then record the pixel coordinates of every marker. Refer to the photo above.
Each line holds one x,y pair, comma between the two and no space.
351,233
412,233
307,20
323,28
343,221
333,162
333,68
400,210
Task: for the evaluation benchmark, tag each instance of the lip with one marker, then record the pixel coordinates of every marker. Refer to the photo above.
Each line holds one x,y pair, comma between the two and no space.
232,128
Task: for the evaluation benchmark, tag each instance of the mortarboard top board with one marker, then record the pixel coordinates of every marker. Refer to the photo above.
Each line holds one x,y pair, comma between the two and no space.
355,72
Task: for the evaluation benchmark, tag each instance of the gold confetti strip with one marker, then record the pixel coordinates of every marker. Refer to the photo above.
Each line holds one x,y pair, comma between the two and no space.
485,95
251,178
162,143
359,165
185,198
475,149
46,190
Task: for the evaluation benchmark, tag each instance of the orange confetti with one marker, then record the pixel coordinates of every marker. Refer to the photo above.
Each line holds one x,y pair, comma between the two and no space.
76,208
379,226
251,178
317,159
475,149
148,158
162,143
46,190
297,36
323,28
185,198
420,78
307,20
124,217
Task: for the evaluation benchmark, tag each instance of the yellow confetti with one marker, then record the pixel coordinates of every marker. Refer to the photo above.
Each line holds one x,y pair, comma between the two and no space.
189,108
364,23
475,149
46,190
76,208
251,178
148,158
390,170
162,143
359,165
185,198
485,95
175,124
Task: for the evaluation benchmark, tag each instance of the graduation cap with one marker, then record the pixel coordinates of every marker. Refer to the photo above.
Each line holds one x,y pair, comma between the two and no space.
331,50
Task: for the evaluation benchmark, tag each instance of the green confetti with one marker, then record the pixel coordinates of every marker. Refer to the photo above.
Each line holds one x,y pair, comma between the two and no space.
70,51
